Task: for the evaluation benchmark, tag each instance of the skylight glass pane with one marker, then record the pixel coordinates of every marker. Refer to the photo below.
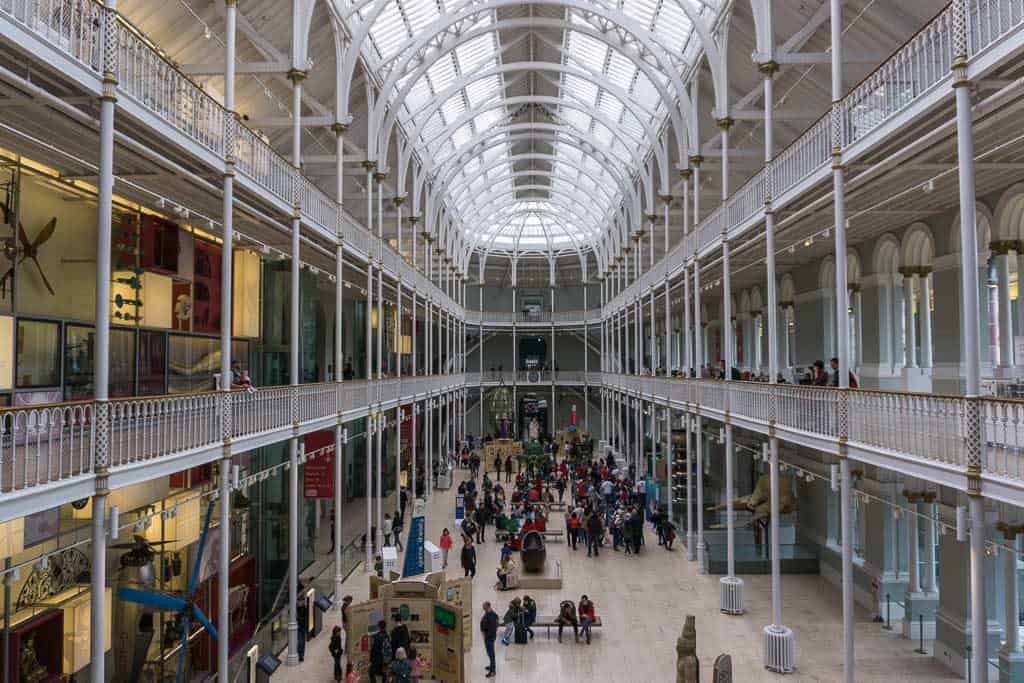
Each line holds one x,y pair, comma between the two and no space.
389,31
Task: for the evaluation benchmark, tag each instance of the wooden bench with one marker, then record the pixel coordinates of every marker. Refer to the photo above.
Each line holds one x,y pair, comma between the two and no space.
552,623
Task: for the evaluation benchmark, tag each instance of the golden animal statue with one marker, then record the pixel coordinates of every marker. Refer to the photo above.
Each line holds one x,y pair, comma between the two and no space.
759,500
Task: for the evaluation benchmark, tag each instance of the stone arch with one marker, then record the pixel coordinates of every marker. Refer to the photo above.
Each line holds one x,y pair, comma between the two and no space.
984,222
886,257
1009,214
918,246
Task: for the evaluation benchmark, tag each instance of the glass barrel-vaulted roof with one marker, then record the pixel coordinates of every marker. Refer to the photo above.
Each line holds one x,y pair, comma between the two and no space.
534,114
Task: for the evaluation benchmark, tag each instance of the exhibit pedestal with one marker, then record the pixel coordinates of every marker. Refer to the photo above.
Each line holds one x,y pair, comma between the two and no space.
550,579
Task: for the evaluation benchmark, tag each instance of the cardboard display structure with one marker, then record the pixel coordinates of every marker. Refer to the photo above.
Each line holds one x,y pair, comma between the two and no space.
440,629
503,448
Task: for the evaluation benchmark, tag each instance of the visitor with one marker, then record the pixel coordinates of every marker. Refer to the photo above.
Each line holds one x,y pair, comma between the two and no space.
572,525
446,545
819,376
587,616
595,533
347,372
336,650
401,667
513,620
489,627
670,534
468,528
302,617
498,466
350,672
419,665
378,566
529,614
388,526
346,602
508,468
396,530
560,487
481,523
380,653
503,574
834,377
399,634
567,617
469,557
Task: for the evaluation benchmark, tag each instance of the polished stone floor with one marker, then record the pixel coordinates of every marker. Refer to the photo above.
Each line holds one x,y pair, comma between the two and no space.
643,602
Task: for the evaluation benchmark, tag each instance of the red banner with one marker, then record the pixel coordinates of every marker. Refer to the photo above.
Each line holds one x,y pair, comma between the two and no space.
318,472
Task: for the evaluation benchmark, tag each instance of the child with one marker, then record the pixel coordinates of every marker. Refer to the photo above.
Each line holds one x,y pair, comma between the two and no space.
419,665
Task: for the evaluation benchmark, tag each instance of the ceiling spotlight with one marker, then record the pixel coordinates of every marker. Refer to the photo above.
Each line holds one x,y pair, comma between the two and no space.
827,233
928,187
809,241
206,32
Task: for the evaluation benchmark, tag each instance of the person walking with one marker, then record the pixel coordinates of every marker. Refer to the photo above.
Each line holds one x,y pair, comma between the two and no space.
508,468
573,526
336,651
387,525
595,534
469,557
481,523
489,627
446,545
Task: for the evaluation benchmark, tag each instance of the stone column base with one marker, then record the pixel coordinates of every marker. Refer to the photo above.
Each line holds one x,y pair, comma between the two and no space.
917,379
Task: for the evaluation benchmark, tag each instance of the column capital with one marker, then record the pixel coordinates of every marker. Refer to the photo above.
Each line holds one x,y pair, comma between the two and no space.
685,173
414,219
725,123
369,165
1003,247
379,176
296,76
1009,531
696,160
399,200
665,197
769,68
339,128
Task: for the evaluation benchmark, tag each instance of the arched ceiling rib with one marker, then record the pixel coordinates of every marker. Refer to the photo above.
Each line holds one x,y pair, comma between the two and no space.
534,120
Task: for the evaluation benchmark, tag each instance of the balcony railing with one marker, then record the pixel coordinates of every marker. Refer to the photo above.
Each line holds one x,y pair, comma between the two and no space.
915,71
148,80
925,427
44,444
574,317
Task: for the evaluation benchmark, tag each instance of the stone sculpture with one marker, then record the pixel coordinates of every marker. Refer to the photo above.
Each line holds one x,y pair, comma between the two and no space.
723,669
687,664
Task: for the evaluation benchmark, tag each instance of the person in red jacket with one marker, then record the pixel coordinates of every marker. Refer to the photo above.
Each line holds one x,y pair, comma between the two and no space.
587,616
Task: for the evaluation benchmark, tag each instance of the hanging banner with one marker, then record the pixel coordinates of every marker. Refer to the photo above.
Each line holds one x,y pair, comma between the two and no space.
318,472
414,564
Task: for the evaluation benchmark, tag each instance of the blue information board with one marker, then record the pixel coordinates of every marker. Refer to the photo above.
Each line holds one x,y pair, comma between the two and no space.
460,508
414,564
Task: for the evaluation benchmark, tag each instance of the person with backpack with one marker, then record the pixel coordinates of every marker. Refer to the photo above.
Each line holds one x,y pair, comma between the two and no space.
380,653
